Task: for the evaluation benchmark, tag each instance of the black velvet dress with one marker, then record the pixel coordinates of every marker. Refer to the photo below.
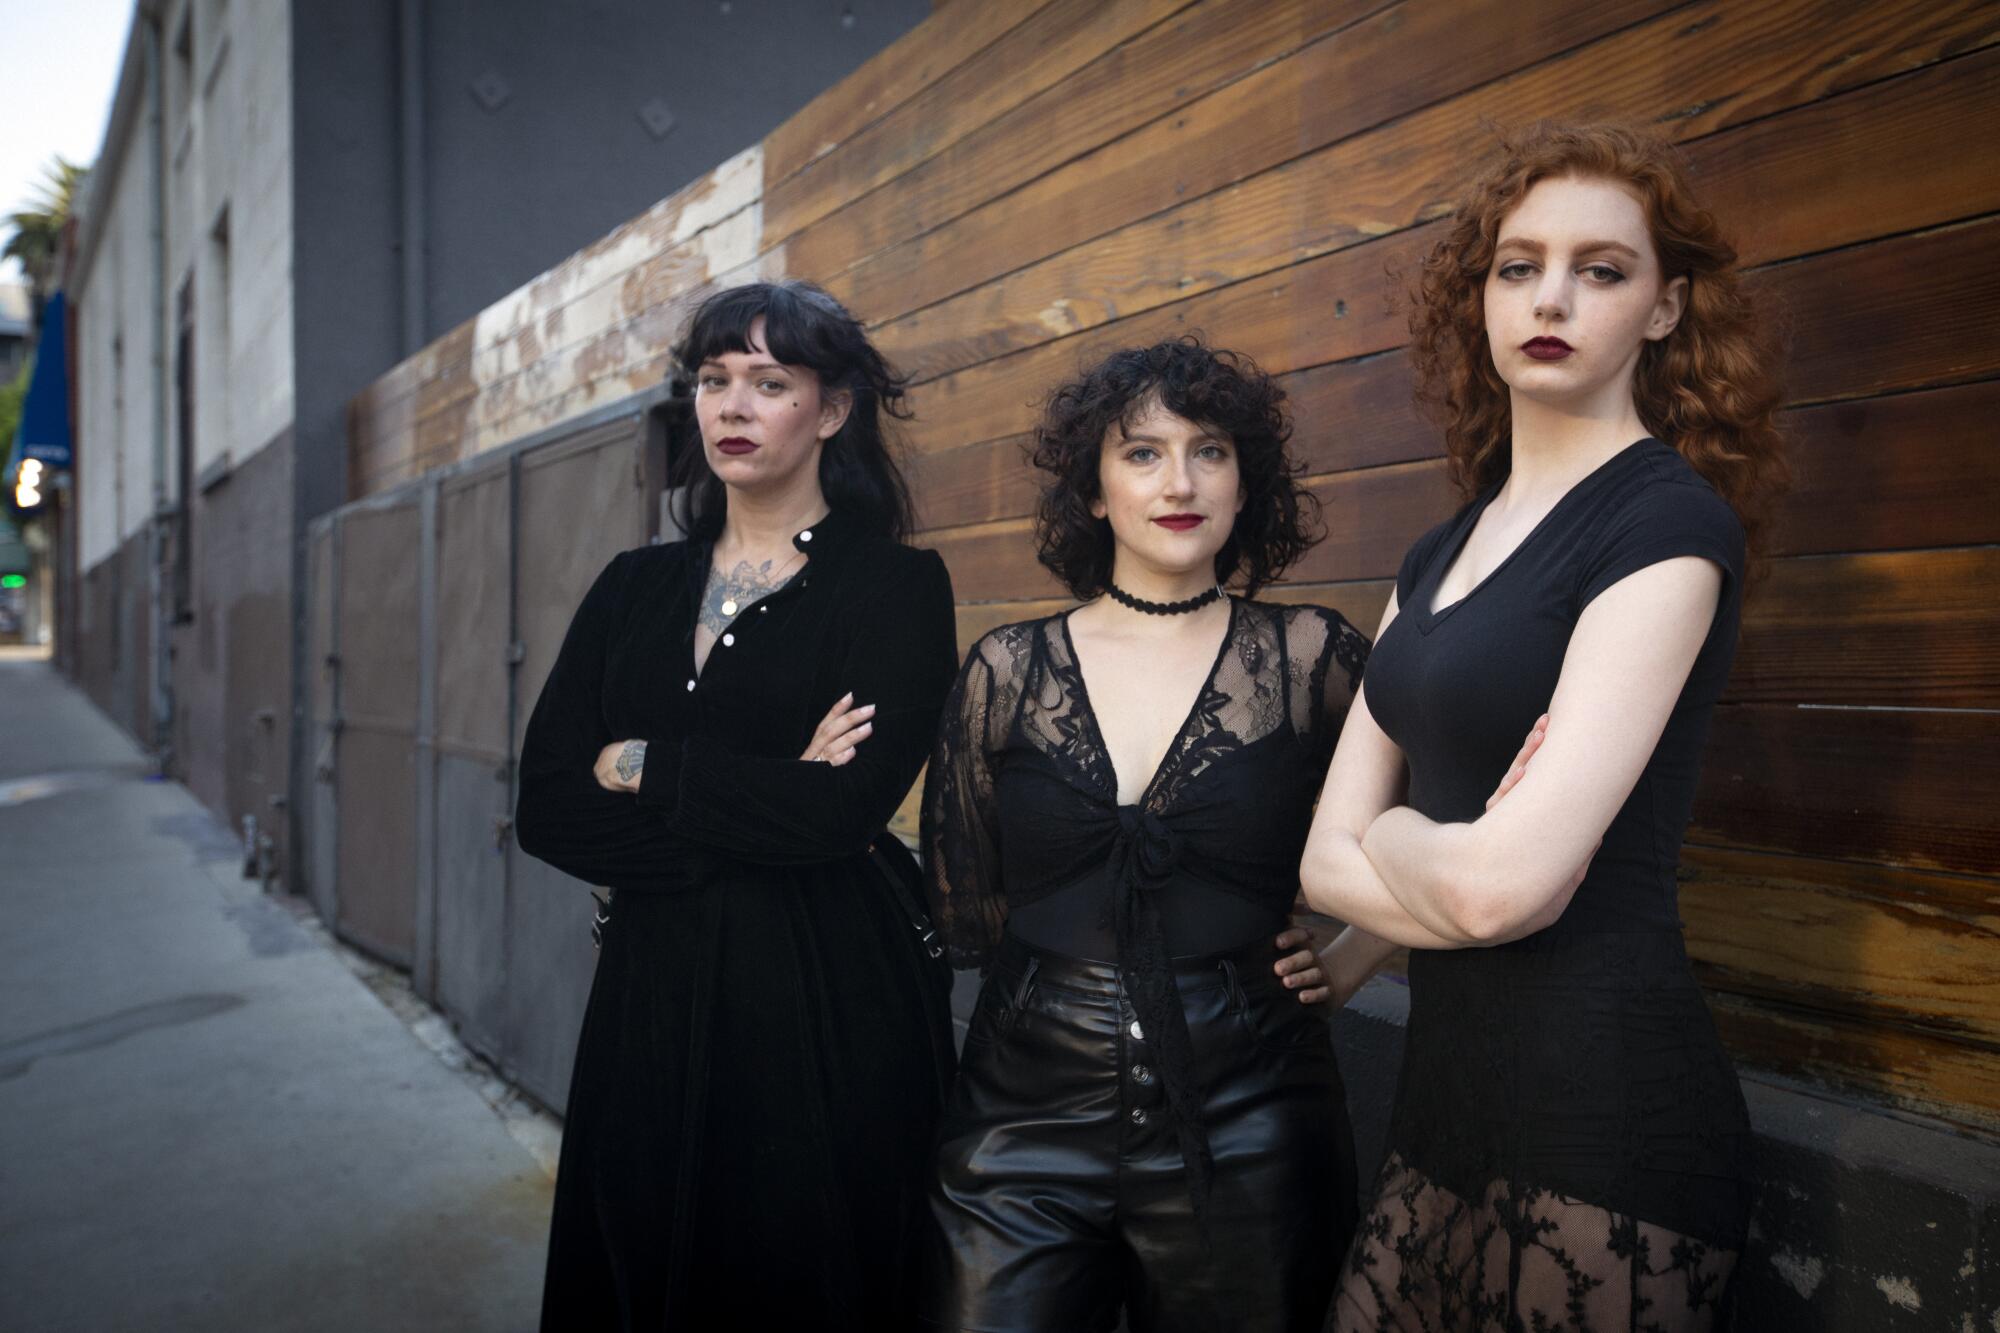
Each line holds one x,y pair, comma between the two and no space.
1568,1146
767,1043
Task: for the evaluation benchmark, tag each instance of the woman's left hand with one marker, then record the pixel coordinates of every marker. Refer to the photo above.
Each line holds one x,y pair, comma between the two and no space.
618,771
1300,967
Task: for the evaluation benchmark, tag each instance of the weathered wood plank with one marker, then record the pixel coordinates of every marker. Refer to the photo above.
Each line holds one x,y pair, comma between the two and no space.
993,562
1387,65
1866,941
1952,1079
976,484
632,316
1899,786
888,79
1931,303
1735,63
1906,629
1905,313
1335,308
580,310
1911,469
1371,517
1907,153
1061,38
1190,55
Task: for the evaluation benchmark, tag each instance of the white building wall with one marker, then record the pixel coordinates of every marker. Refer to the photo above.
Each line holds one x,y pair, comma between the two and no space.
229,218
227,236
116,346
260,324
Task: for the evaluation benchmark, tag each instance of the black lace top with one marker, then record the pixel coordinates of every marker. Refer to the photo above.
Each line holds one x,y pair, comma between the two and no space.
1021,801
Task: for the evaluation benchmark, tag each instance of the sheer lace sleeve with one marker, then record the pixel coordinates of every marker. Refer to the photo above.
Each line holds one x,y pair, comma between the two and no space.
1325,657
960,831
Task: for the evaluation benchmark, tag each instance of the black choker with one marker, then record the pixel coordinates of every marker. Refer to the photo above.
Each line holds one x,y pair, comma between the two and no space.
1196,603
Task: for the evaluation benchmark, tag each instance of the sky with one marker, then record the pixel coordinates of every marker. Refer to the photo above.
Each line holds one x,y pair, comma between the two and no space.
58,69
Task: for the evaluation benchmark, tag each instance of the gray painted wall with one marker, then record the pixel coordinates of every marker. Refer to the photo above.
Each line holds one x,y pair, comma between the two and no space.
578,74
529,146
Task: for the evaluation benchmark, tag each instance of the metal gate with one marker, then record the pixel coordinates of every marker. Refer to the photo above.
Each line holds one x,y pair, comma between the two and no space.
375,786
434,615
580,503
474,794
323,711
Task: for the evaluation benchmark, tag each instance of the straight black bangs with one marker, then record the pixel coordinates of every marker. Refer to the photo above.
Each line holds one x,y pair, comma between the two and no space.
802,327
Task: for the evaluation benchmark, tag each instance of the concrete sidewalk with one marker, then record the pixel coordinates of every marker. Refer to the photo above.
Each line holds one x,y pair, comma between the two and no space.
207,1121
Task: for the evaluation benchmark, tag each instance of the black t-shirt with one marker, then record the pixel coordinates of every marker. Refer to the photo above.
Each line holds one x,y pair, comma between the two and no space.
1458,688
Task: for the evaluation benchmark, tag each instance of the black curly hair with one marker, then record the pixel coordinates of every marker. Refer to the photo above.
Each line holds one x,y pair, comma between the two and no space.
1215,388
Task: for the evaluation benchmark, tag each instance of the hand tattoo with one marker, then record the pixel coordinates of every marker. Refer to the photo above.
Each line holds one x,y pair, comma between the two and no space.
631,761
737,588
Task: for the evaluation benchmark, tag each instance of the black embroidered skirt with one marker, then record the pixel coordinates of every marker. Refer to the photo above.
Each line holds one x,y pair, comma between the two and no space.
1568,1148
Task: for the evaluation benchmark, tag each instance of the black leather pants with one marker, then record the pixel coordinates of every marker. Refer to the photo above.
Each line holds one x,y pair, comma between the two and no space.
1061,1194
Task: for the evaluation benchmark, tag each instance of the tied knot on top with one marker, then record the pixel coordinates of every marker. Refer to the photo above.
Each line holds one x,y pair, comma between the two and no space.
1149,848
1147,856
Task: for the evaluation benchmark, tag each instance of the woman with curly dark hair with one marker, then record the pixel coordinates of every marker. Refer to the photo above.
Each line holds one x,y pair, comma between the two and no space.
1567,1148
730,724
1145,1117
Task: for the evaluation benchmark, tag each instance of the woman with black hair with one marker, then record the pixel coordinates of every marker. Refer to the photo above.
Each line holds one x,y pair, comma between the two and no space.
1113,819
730,725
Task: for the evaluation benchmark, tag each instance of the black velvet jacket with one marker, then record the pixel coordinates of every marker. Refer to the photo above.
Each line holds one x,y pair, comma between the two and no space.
767,1046
723,782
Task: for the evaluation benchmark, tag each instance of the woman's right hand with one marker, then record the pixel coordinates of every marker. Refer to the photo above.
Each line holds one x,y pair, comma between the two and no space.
1511,779
843,728
1519,768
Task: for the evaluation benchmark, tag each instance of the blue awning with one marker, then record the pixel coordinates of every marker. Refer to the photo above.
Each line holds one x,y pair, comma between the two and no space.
44,432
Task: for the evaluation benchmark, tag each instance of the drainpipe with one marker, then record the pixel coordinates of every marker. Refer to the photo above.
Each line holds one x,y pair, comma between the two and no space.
410,160
163,618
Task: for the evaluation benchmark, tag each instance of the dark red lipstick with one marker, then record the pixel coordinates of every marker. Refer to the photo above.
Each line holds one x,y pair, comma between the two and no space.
1547,349
735,445
1180,522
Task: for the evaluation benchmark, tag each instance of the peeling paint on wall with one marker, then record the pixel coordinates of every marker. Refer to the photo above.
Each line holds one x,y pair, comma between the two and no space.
593,329
1802,1273
1901,1293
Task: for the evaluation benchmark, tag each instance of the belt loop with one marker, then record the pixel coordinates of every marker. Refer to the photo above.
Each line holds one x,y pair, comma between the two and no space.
1026,985
1237,1000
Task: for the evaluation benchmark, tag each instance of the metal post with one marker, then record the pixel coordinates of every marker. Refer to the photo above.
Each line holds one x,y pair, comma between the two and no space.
163,615
423,957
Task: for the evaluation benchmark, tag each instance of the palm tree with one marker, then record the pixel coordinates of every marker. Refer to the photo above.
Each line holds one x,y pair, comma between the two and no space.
38,227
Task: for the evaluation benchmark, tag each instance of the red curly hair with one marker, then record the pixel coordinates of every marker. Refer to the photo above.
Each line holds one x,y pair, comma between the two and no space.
1710,388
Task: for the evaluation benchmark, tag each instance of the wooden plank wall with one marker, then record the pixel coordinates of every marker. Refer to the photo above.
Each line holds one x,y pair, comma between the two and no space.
1013,189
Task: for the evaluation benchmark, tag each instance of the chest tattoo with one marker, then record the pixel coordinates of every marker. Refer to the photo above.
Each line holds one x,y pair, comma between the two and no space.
731,592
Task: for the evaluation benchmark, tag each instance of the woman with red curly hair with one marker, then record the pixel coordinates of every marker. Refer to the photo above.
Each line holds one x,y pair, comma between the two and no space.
1568,1145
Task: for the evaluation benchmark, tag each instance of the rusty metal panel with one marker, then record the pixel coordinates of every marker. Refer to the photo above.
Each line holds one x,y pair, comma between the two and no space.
379,689
423,968
549,965
471,943
473,522
321,732
581,501
473,794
